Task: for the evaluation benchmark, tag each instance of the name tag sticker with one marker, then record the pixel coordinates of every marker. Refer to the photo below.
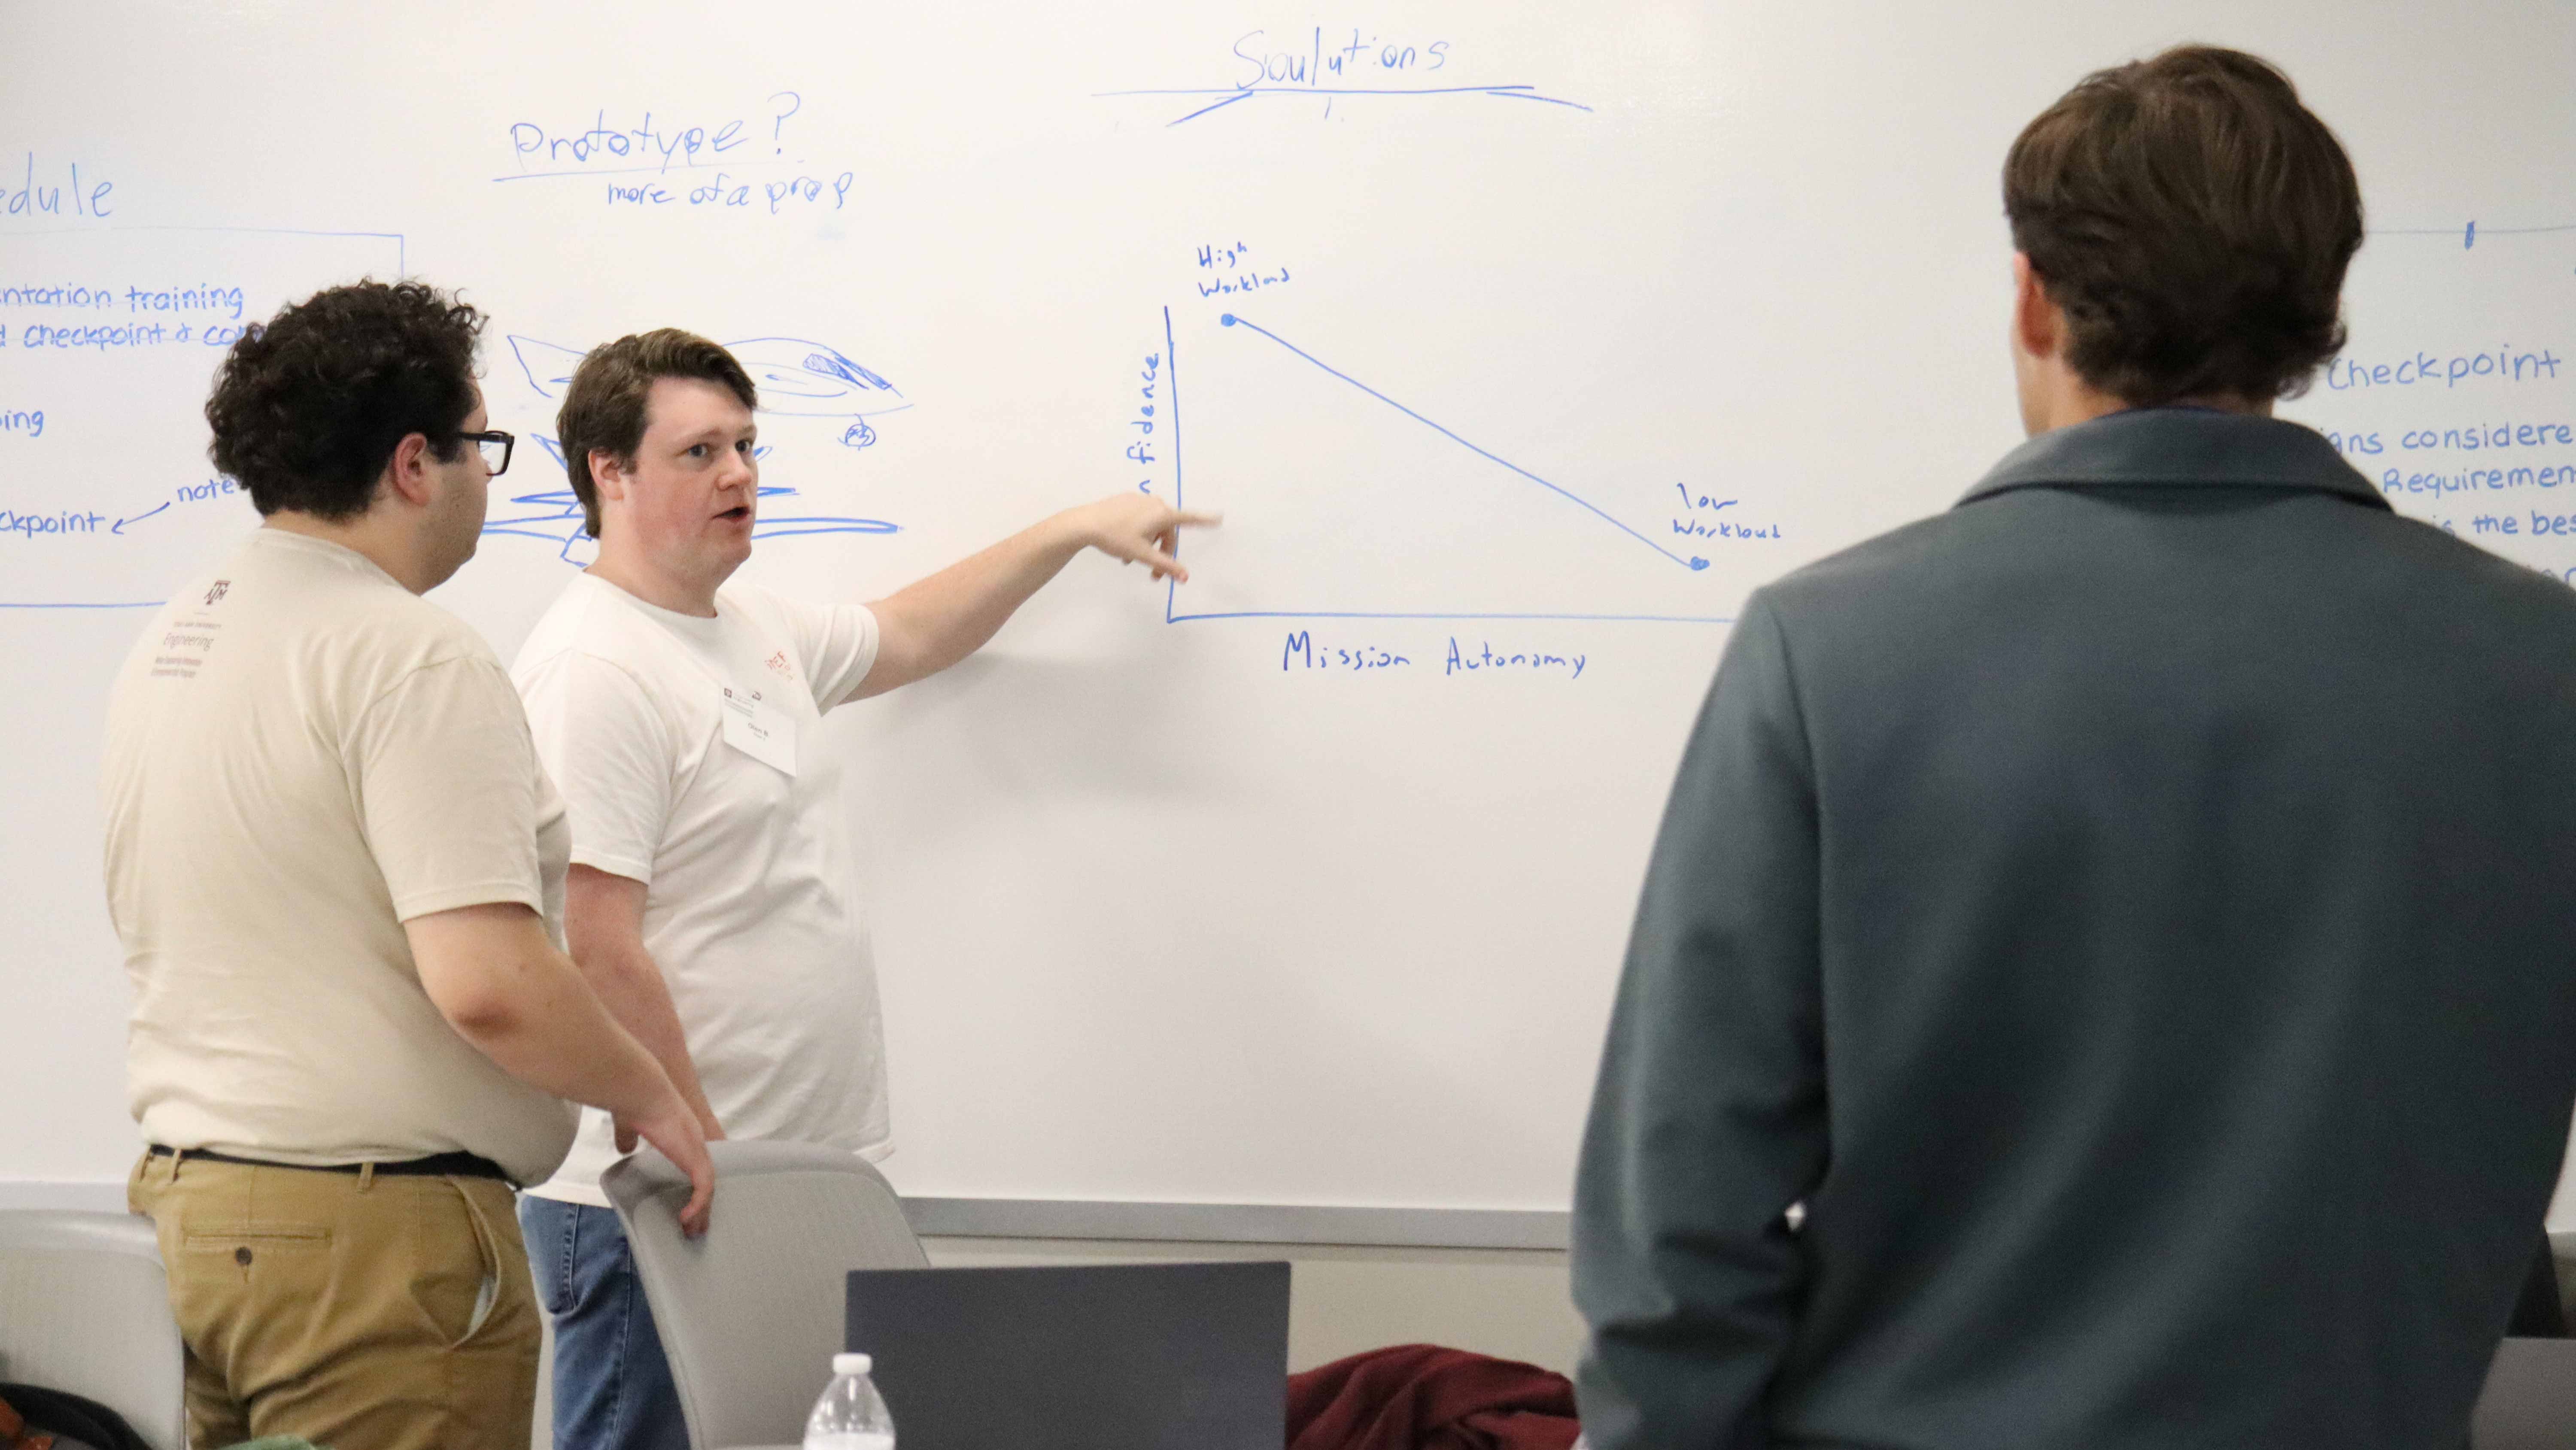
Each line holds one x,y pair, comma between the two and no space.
759,729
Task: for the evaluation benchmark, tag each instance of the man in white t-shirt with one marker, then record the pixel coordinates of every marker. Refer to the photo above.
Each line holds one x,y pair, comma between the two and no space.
337,871
710,893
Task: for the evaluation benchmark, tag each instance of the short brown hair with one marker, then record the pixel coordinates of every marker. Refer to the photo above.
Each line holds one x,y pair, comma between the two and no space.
603,407
2194,221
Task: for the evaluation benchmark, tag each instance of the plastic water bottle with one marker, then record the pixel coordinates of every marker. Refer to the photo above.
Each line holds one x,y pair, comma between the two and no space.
851,1415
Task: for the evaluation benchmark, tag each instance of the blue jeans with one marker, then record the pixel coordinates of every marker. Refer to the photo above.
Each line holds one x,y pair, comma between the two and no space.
613,1388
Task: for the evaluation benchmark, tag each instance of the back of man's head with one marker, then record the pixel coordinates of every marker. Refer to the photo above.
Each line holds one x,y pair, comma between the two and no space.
2193,220
308,407
604,404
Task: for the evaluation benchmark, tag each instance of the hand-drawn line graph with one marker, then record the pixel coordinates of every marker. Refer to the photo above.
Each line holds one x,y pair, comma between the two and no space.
558,519
1610,539
1230,320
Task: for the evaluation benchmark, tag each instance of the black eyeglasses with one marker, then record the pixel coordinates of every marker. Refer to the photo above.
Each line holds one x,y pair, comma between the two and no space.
495,448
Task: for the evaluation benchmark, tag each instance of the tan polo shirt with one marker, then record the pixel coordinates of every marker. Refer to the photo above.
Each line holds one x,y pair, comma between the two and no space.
301,754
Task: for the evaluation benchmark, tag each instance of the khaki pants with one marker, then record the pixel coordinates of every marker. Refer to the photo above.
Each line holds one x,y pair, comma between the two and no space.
362,1311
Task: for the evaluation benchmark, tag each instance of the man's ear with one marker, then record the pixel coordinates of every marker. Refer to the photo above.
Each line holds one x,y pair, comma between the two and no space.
608,475
2039,325
407,472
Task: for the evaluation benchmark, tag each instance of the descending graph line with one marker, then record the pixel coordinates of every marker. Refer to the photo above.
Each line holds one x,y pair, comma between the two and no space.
1686,561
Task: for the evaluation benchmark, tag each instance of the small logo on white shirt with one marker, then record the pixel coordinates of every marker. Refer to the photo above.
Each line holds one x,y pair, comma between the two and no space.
778,666
216,594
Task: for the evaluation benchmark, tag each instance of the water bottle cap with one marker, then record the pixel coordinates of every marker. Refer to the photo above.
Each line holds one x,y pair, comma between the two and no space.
851,1364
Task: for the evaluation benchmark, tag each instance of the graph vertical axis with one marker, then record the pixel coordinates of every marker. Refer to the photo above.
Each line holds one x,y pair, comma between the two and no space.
1172,381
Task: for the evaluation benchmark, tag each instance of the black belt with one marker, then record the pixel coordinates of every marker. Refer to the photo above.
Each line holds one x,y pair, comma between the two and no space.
436,1165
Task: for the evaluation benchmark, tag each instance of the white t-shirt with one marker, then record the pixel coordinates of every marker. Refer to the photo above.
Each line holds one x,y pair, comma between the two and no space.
302,755
748,906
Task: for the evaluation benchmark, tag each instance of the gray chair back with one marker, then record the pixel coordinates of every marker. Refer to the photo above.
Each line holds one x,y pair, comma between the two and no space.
2529,1402
85,1307
751,1314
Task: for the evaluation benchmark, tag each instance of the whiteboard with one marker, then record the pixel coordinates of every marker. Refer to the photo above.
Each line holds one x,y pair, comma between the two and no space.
1517,342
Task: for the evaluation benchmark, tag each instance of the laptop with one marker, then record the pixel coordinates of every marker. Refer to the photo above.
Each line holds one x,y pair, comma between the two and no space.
1089,1357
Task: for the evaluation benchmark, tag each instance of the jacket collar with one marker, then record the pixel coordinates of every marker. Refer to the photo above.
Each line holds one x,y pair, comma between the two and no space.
2179,447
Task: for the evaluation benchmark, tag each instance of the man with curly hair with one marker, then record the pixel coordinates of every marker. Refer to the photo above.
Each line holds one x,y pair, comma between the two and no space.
2102,978
337,870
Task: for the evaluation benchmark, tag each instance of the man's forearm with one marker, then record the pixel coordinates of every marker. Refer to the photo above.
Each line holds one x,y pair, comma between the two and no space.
933,624
951,614
562,1040
631,986
496,977
501,984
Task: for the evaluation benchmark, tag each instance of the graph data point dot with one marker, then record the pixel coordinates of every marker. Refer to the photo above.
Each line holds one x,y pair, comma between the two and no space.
1699,563
1227,320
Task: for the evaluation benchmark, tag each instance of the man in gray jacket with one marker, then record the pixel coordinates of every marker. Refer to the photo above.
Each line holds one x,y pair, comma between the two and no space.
2103,978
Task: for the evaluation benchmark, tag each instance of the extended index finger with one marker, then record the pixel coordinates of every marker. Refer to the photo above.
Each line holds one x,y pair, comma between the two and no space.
1161,563
1196,519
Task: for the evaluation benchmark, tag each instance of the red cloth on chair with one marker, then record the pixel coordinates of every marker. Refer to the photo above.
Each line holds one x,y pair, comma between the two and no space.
1424,1397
